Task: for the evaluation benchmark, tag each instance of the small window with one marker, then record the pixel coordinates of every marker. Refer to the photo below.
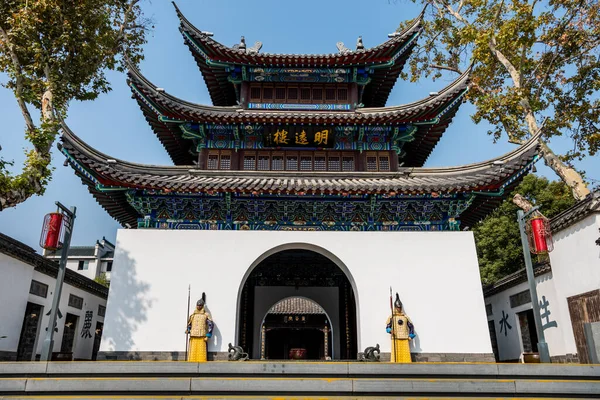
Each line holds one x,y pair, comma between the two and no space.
342,95
306,163
280,93
75,301
38,289
225,161
330,94
347,163
320,163
371,163
520,299
291,163
317,94
255,93
267,93
101,310
83,265
277,163
249,163
292,93
263,162
334,163
109,266
384,163
213,161
305,94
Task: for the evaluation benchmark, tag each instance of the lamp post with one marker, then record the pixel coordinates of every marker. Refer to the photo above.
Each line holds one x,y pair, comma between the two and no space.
542,345
67,225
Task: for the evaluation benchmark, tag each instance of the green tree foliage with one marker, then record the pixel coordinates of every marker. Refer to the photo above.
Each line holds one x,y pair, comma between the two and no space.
497,237
55,51
101,279
532,60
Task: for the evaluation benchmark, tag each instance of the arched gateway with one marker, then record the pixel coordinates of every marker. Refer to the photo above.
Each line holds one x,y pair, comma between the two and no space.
297,271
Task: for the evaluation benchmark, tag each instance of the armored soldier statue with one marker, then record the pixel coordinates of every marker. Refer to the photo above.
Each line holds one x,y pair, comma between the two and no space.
200,328
401,329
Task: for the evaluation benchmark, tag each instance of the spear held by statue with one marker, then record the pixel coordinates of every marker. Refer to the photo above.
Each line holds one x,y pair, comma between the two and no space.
187,319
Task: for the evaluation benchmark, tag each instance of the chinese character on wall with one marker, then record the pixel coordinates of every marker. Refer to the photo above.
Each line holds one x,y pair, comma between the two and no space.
87,324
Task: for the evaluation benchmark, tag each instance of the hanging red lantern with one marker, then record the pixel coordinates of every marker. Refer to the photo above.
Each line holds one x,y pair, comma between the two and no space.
52,232
539,234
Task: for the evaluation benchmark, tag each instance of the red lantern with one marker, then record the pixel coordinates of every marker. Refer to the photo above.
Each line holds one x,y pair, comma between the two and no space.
52,232
540,236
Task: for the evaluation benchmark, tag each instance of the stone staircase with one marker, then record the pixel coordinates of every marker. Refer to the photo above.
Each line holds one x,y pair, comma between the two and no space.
257,380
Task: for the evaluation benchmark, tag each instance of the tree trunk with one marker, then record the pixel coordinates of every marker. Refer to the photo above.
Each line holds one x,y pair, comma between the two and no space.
35,175
522,202
568,175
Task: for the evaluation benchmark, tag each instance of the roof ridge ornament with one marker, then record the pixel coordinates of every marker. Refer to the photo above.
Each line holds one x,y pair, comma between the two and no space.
241,45
359,44
342,49
248,50
255,49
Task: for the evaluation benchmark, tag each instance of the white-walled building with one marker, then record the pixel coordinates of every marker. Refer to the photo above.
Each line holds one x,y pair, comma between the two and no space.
298,182
146,305
28,281
89,261
568,290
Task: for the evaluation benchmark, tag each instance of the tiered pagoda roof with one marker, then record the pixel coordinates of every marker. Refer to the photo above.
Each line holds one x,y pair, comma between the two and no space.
213,58
365,136
431,116
108,179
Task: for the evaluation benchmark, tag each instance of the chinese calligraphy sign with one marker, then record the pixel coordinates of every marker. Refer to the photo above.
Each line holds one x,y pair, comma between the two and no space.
504,323
299,136
545,314
87,324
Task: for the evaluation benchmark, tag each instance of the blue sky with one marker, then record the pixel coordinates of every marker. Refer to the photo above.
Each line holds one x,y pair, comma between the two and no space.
115,125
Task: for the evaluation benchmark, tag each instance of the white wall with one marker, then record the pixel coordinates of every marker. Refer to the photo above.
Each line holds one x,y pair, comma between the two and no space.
510,344
576,267
436,274
93,267
82,347
14,295
14,291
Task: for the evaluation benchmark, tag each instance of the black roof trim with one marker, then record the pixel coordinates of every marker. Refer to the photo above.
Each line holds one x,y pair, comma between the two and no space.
514,279
28,255
577,212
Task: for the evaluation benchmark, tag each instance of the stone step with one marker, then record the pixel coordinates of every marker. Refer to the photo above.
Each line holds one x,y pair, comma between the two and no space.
290,379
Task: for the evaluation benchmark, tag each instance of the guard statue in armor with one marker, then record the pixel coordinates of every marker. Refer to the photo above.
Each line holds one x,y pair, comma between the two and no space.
200,328
402,330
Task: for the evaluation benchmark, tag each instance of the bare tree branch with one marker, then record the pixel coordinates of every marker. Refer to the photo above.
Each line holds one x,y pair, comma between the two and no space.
447,68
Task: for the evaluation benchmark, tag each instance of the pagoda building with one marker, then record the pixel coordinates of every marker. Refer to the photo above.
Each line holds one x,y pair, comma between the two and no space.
304,144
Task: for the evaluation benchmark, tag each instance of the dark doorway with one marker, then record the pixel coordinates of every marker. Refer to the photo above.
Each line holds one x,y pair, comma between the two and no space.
29,332
494,339
69,332
583,308
298,270
296,328
279,342
97,340
528,331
